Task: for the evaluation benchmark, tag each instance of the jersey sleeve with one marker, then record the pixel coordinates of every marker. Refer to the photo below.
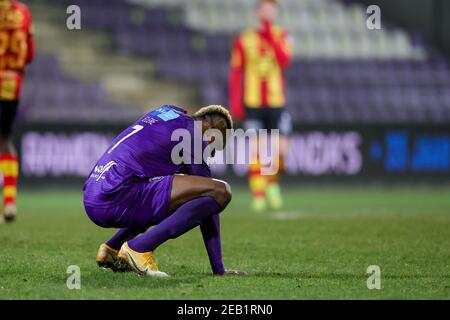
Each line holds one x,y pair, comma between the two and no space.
31,43
29,30
202,170
198,166
210,227
237,65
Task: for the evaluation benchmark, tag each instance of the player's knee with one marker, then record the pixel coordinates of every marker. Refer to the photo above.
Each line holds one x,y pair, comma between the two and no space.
222,193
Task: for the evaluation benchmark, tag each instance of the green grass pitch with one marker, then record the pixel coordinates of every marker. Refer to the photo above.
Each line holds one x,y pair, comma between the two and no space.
319,247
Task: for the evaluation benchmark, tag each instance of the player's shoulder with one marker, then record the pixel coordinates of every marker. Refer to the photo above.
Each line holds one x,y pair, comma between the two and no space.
169,115
248,36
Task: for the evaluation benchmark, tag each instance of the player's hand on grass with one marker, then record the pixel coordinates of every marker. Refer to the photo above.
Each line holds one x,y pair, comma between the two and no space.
232,272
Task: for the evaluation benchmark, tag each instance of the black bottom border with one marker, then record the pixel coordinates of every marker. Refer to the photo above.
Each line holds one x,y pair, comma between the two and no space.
216,309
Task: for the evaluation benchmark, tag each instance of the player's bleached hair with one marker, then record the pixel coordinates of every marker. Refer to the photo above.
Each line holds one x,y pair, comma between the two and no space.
215,111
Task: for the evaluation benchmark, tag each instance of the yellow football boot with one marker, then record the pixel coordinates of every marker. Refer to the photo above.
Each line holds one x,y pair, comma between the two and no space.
107,258
10,212
258,204
274,197
142,263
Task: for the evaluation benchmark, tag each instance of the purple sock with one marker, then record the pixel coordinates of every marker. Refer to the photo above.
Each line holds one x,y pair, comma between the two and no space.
123,235
186,217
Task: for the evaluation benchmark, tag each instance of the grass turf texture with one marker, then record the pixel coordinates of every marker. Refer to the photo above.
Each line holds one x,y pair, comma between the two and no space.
319,247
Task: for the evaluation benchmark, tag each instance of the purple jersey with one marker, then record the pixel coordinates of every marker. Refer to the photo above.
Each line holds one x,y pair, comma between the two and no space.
141,152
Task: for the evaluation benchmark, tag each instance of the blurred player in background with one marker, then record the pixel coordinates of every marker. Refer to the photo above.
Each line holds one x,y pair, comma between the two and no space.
16,51
257,93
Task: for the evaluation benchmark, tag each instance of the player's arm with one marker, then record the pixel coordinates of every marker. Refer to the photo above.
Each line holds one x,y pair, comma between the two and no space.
210,227
281,46
201,170
236,80
31,47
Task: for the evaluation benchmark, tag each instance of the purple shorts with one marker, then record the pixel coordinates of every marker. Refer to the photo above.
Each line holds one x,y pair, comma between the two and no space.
144,204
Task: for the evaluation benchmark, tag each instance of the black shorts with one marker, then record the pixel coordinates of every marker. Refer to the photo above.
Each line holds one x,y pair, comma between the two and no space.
8,112
268,118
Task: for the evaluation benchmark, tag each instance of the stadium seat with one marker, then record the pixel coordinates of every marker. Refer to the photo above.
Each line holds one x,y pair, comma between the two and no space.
341,71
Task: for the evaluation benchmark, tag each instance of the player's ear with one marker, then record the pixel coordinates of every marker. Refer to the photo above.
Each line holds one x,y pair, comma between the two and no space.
207,123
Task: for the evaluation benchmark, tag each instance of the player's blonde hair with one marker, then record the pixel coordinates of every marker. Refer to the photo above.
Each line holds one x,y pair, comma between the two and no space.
215,110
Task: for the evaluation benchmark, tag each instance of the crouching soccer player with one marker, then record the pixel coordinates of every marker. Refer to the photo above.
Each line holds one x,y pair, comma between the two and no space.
136,184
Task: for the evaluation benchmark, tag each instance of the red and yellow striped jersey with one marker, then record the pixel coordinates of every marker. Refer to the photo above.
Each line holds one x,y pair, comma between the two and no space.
16,47
258,60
